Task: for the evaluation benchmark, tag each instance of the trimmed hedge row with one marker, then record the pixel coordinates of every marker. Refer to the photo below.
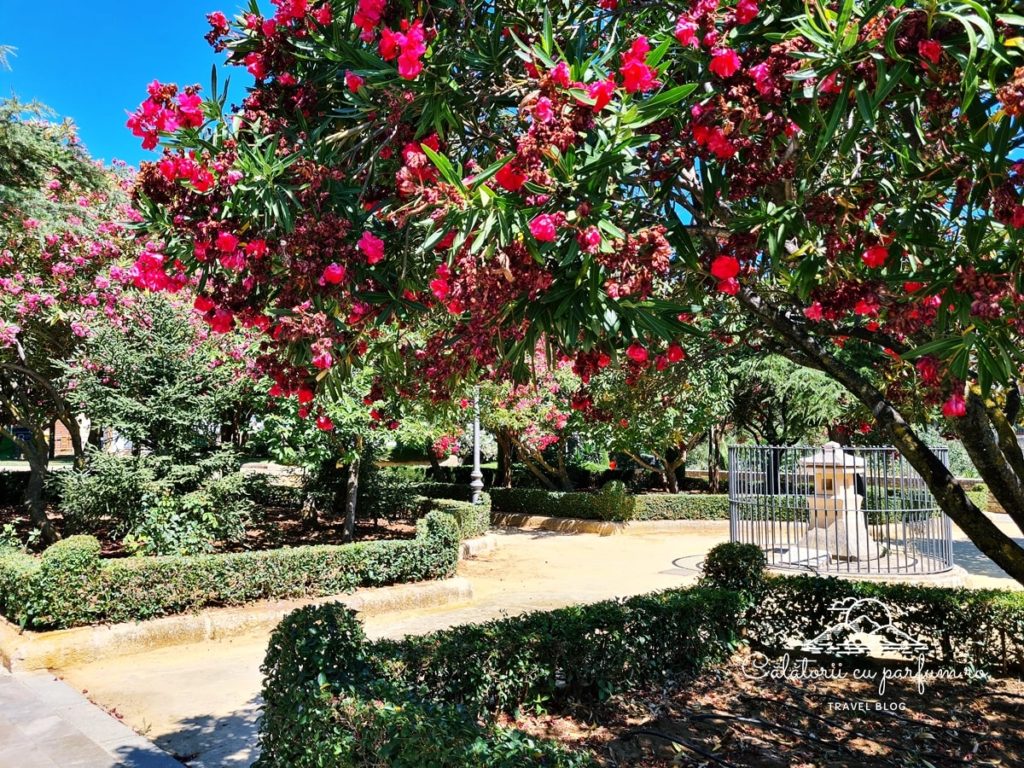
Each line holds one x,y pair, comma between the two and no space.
334,699
622,507
70,585
984,628
611,503
454,499
980,627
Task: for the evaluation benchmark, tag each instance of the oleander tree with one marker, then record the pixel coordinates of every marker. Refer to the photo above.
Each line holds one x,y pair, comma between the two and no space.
657,414
533,421
62,239
844,179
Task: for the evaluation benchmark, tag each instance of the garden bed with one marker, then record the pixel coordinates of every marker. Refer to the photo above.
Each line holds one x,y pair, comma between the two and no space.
70,584
724,717
572,687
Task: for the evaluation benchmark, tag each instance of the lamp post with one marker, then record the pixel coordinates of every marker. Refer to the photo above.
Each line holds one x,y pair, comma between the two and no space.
476,478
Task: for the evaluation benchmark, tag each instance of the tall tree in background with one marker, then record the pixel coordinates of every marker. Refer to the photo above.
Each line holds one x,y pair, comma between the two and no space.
662,412
59,239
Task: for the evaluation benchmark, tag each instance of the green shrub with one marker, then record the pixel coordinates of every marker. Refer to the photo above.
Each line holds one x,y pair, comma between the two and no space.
432,490
110,491
612,502
160,507
334,699
70,586
473,519
682,506
68,572
984,628
735,566
980,497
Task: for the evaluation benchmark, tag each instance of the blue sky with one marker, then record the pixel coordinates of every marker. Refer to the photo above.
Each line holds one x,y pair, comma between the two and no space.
91,61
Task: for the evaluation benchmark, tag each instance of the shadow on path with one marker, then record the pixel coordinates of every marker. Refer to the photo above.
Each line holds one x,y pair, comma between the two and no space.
228,741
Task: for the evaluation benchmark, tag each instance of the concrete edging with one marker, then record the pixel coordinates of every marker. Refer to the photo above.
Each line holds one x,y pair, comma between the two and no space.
25,650
605,527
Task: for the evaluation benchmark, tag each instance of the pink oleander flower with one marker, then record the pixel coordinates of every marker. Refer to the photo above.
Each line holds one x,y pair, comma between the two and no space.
725,62
543,228
372,248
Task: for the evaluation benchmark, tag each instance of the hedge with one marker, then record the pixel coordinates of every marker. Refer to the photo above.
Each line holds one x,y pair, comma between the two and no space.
334,699
611,503
980,627
70,585
454,499
682,506
654,506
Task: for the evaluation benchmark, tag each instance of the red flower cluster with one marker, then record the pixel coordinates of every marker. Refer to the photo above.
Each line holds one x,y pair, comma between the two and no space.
162,113
637,76
407,45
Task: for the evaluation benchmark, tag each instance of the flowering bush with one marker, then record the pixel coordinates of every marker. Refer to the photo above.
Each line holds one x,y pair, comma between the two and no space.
843,178
62,236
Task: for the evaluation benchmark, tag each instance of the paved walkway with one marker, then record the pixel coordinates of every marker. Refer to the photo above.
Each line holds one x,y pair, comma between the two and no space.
45,723
201,702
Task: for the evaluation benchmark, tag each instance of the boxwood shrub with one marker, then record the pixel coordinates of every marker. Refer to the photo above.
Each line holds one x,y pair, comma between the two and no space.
454,499
611,503
70,585
980,627
334,699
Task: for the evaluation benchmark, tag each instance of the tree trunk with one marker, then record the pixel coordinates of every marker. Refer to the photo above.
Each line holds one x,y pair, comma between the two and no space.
671,481
503,479
435,465
35,504
803,349
714,461
352,493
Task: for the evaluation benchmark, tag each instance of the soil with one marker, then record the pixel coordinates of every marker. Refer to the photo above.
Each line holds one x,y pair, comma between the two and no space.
273,527
724,718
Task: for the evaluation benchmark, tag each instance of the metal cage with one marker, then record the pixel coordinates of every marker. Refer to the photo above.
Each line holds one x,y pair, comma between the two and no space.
842,510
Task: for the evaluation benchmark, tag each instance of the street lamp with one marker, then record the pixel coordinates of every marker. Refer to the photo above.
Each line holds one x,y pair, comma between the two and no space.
476,477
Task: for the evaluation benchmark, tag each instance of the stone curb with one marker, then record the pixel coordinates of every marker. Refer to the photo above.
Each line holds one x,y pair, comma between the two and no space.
482,545
24,650
607,528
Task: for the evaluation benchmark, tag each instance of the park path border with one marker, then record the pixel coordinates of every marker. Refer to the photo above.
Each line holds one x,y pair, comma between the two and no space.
22,650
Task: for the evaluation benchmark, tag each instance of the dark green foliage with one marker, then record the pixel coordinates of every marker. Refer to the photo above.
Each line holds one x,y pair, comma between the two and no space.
159,505
472,519
12,487
984,628
737,567
70,586
434,490
682,506
613,503
333,699
381,494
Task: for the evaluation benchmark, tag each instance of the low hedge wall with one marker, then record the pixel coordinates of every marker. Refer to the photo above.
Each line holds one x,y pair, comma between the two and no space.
622,507
983,628
473,519
334,699
980,627
614,505
70,585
